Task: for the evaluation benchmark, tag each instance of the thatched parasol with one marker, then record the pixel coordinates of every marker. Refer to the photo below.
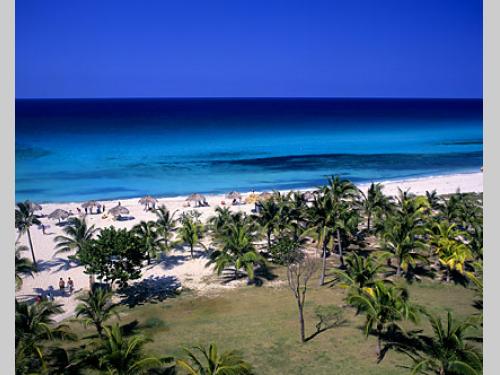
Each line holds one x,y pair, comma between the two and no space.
118,211
59,214
34,206
308,196
148,200
265,196
196,197
233,195
252,198
91,204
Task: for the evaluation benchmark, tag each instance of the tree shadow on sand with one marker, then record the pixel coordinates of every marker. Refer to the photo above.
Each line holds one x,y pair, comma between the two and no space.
56,265
154,289
261,275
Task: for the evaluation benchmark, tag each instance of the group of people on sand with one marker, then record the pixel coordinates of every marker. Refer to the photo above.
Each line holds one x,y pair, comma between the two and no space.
69,285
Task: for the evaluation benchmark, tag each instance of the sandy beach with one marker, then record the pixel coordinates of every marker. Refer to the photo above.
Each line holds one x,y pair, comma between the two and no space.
176,268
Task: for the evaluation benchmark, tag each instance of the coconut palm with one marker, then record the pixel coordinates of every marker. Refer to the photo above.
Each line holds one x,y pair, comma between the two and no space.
383,305
359,272
119,355
166,222
210,362
34,328
153,243
447,352
373,202
444,239
266,218
237,250
320,218
433,200
77,234
95,308
191,233
24,267
24,219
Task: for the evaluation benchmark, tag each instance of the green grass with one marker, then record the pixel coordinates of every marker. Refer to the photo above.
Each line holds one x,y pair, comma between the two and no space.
261,323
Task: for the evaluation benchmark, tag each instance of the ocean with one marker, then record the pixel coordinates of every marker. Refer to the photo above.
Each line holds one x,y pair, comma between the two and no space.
79,149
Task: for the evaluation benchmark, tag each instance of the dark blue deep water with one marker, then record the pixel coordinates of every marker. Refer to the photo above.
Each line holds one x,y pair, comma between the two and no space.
68,150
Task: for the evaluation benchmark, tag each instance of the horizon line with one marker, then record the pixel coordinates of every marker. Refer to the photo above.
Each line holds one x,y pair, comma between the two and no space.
251,97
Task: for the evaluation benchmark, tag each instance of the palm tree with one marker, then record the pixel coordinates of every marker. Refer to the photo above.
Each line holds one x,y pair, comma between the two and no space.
373,202
452,253
320,218
344,196
213,363
24,219
402,228
165,222
266,218
34,327
383,306
238,250
447,351
360,271
191,232
23,266
77,235
152,241
118,355
95,308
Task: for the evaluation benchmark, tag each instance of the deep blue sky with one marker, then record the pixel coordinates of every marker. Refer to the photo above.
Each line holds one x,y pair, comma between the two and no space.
206,48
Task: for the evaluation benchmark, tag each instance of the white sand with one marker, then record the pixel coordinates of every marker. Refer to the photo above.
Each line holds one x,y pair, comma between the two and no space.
176,268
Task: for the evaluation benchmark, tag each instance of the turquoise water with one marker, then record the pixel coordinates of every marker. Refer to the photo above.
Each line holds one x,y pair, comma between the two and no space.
69,150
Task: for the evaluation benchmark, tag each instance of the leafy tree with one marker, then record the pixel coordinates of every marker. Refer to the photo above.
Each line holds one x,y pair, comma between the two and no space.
77,235
24,219
153,243
115,255
383,306
95,308
447,352
191,232
24,267
210,362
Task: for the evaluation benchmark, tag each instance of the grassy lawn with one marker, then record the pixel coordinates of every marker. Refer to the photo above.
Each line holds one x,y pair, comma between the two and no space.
261,323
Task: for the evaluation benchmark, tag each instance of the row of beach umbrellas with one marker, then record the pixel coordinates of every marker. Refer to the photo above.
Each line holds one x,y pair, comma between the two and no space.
148,200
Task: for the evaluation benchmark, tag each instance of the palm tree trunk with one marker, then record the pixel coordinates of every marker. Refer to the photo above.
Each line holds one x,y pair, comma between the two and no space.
398,270
31,247
269,231
368,223
339,242
448,271
192,246
323,269
98,326
379,345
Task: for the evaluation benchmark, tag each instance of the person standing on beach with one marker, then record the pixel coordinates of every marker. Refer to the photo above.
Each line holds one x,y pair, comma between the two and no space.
71,285
43,229
61,285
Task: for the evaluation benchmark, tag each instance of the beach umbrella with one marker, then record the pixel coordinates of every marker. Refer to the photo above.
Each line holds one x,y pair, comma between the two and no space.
252,198
196,198
34,206
118,211
90,205
58,214
308,196
265,196
233,195
148,200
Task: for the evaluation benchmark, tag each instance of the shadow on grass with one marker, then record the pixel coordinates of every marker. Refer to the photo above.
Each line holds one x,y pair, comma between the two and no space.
151,290
261,275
